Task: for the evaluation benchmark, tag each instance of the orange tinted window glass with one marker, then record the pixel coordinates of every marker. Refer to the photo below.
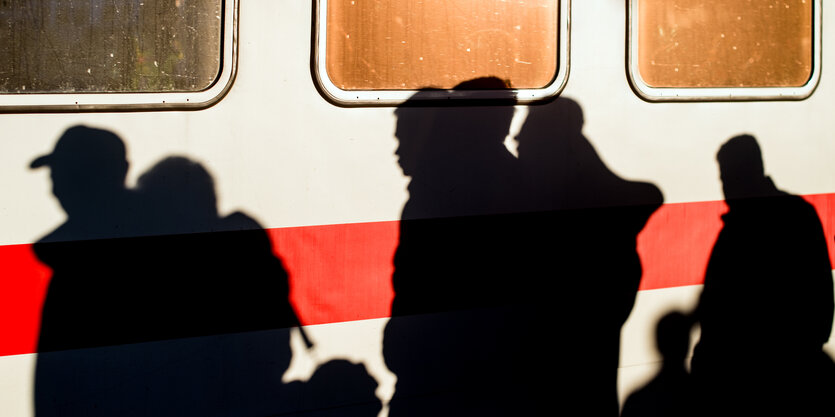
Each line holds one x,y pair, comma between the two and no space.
720,43
410,44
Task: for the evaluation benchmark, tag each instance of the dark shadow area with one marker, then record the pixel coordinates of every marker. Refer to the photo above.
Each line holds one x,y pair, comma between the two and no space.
456,252
512,275
341,388
670,393
767,305
159,306
581,254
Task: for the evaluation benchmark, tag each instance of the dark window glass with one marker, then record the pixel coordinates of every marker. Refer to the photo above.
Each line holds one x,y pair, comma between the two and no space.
67,46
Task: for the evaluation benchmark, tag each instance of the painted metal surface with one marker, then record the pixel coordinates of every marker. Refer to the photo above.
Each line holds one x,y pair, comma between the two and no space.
313,174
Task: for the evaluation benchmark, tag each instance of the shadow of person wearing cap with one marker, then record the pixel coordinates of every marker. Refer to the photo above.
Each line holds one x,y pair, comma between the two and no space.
94,297
88,169
157,305
97,293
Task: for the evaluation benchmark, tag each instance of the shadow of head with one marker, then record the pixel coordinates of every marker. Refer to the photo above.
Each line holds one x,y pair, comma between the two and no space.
342,388
673,337
87,167
450,130
741,168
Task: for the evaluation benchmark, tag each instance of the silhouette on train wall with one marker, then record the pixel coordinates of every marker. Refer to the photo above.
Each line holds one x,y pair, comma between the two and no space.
454,263
160,306
506,263
581,253
109,256
671,392
767,305
513,277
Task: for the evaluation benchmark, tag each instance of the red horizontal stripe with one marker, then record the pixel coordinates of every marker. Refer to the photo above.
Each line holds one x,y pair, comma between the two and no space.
339,272
343,272
676,242
23,283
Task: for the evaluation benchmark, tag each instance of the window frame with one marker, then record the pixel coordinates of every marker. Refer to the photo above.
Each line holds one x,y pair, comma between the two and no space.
676,94
142,101
389,98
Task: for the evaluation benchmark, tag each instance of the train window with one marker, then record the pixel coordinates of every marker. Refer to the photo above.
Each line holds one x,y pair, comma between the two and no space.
61,54
710,49
381,52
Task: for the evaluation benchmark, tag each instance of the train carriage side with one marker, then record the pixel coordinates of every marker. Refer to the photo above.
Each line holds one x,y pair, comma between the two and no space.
462,249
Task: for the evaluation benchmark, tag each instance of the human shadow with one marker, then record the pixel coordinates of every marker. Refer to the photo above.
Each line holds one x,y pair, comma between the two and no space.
581,252
220,273
341,388
767,304
450,336
499,255
158,305
670,393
